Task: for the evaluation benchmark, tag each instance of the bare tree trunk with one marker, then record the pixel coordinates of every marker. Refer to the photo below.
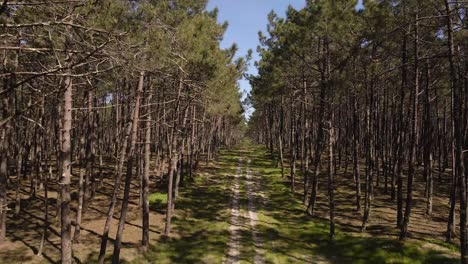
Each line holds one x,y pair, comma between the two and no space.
356,175
4,167
369,162
19,170
399,154
413,139
318,156
128,177
65,160
292,147
281,136
117,182
428,145
173,162
180,159
146,172
457,137
46,211
331,173
81,192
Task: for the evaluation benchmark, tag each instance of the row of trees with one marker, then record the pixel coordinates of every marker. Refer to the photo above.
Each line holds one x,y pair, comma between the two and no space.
384,87
143,85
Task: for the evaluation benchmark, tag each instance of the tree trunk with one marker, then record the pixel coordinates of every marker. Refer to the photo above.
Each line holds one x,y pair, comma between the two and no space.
117,182
146,172
331,173
413,139
173,161
128,177
457,136
66,166
356,175
428,145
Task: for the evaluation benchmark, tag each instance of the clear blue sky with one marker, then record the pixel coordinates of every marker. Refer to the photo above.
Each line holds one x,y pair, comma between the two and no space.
246,18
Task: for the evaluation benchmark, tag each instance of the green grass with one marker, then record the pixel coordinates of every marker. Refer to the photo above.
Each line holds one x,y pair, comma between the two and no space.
292,236
450,246
201,223
288,235
157,197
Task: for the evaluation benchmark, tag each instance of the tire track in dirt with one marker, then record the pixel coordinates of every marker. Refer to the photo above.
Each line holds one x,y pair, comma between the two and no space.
244,221
236,221
253,190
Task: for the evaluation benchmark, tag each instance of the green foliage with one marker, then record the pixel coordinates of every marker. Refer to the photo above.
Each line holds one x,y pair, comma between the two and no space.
330,45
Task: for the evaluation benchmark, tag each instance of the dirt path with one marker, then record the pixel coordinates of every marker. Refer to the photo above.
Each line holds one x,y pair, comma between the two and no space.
253,196
243,222
238,210
236,221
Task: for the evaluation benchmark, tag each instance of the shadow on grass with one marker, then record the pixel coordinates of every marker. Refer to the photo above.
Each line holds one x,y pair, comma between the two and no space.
288,235
293,236
202,218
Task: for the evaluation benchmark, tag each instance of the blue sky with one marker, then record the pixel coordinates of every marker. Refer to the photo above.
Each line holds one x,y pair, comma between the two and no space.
246,18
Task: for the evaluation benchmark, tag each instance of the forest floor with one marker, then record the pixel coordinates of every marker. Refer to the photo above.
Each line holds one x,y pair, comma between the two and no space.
24,231
239,209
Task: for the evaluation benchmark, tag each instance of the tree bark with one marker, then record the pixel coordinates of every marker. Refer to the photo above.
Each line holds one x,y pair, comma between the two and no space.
65,160
128,177
146,172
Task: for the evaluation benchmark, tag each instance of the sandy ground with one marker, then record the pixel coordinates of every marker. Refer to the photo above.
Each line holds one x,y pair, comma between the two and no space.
252,186
24,232
236,221
244,221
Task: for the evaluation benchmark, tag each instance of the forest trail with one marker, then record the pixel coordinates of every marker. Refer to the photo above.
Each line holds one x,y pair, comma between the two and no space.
244,219
255,195
234,228
240,210
152,132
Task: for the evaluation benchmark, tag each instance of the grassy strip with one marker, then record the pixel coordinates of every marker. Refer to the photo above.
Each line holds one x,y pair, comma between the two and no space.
293,236
288,235
201,224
